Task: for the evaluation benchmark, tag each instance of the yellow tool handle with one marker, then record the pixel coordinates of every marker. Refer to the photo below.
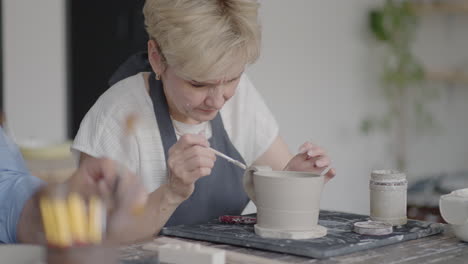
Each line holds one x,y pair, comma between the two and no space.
95,220
78,220
48,220
64,236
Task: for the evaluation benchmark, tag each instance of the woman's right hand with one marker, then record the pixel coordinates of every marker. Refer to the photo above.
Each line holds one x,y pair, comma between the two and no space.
189,160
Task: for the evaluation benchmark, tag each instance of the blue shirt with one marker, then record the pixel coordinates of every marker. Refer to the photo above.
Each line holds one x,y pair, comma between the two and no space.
17,186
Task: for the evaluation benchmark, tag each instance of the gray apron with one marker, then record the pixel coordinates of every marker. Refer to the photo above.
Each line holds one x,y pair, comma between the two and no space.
221,192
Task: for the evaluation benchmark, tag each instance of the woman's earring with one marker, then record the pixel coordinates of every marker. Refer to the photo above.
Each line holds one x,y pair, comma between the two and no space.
157,76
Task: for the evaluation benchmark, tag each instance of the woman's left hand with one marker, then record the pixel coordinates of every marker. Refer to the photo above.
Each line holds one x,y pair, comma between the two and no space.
311,158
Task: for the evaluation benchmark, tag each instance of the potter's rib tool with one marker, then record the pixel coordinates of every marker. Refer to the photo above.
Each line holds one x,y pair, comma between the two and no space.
373,228
233,161
237,219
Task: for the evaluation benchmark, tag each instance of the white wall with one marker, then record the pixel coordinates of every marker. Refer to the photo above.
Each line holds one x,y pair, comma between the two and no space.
442,43
35,68
318,73
315,75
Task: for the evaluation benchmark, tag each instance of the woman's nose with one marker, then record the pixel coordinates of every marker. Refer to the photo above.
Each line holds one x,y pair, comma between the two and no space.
215,98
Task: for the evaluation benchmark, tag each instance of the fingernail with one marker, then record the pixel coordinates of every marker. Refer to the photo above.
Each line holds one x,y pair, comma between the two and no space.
310,153
302,150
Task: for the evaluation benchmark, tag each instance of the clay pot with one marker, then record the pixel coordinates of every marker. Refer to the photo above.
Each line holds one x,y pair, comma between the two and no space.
454,210
288,203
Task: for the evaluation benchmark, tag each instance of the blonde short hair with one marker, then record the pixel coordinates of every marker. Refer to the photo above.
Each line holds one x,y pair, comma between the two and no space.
205,39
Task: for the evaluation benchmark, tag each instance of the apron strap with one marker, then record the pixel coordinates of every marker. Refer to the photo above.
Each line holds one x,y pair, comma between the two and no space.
162,114
135,64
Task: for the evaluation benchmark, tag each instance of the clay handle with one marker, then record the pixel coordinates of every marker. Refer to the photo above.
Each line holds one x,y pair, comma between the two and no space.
248,180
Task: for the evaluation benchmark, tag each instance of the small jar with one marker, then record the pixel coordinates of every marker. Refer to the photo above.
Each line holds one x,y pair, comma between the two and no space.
388,197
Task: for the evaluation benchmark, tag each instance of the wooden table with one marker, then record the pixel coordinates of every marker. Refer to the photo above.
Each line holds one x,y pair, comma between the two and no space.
443,248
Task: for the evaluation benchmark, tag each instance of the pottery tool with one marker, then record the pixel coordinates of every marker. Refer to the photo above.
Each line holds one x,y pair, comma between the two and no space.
220,154
233,161
373,228
78,221
237,219
96,220
66,220
129,129
62,220
48,220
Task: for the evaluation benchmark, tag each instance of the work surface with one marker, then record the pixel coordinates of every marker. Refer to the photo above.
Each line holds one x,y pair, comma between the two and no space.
340,238
443,248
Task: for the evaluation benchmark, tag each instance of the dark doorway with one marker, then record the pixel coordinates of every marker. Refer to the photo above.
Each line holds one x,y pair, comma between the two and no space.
101,35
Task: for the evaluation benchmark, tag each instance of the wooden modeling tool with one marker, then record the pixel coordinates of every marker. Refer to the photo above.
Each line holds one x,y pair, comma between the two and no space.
67,222
48,220
96,220
220,154
60,213
78,221
129,130
233,161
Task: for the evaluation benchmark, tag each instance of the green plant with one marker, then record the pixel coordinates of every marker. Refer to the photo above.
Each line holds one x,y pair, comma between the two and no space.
394,26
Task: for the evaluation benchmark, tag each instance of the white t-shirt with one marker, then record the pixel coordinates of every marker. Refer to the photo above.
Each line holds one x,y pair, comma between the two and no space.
247,120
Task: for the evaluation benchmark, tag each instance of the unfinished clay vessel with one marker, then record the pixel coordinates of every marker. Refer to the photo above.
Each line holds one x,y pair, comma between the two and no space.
288,202
454,209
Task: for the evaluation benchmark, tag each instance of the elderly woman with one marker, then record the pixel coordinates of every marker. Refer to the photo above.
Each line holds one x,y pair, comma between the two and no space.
190,93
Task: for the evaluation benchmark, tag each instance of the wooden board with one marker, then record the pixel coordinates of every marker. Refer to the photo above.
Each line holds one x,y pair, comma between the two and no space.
340,239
